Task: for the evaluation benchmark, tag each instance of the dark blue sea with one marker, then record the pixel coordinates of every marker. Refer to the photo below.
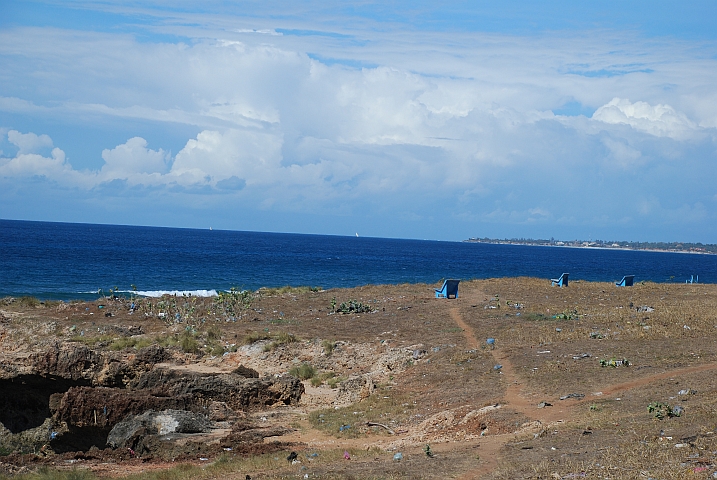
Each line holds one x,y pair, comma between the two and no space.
66,261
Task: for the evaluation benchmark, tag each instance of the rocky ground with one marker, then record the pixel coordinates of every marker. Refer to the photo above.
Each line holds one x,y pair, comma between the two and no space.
585,381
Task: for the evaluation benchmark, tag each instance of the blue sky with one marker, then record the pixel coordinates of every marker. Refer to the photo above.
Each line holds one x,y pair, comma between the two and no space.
436,120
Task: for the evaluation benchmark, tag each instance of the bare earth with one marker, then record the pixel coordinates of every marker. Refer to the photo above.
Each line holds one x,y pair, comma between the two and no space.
417,373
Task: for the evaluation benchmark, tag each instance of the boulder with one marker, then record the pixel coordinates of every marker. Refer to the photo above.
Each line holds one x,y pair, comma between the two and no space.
133,429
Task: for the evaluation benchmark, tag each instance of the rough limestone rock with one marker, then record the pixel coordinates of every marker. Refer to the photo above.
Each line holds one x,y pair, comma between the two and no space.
70,361
236,391
129,431
105,407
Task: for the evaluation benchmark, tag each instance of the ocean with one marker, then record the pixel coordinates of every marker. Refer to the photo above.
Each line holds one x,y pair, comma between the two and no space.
65,261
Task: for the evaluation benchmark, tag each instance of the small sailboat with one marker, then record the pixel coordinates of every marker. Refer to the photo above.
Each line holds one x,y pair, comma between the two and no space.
357,234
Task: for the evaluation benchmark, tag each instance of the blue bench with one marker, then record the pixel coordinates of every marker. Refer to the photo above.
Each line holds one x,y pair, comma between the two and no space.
626,281
450,287
561,282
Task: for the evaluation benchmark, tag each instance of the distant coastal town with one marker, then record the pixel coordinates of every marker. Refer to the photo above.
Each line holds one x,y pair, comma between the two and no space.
681,247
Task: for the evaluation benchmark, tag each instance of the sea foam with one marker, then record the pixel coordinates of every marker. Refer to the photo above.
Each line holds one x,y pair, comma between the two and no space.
178,293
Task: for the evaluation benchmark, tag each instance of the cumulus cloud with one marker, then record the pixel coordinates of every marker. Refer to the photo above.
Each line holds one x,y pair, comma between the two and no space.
28,142
53,167
658,120
134,162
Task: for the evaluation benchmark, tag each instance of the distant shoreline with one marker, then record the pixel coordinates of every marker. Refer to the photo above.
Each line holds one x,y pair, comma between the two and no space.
702,250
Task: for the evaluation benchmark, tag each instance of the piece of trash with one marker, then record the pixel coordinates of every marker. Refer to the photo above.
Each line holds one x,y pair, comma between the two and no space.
572,395
686,327
292,456
53,435
582,355
645,309
491,342
227,449
544,351
344,427
614,363
203,459
436,349
312,455
374,424
497,367
687,392
398,457
544,404
677,411
346,455
680,445
558,330
596,335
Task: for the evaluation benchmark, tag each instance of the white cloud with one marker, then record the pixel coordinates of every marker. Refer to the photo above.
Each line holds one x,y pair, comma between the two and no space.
28,142
216,156
53,167
133,161
659,120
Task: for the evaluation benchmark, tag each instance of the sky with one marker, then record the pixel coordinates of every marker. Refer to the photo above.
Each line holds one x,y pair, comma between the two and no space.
400,119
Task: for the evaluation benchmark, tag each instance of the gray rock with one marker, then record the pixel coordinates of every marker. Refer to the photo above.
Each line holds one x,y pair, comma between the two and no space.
164,422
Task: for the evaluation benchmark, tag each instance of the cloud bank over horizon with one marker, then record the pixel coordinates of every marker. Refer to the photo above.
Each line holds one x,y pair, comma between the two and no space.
253,123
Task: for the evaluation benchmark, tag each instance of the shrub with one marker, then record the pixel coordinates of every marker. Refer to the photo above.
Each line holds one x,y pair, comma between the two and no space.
353,306
188,343
328,346
29,302
304,371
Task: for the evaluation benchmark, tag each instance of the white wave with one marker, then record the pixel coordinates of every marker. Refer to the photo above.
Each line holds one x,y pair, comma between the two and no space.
178,293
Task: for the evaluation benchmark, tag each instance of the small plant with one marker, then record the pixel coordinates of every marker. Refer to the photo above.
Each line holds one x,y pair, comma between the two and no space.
319,379
188,342
334,382
254,337
567,315
663,410
129,342
232,304
353,306
213,333
427,450
280,340
30,302
333,304
303,372
328,346
287,289
614,363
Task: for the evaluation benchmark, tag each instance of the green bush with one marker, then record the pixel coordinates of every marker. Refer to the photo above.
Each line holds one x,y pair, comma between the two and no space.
353,306
304,371
188,343
29,302
328,346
